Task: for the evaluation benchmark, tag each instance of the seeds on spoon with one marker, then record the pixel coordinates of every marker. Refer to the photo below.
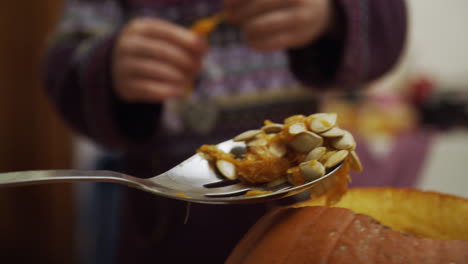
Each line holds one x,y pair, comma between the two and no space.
322,122
333,132
257,141
294,176
336,158
293,119
247,135
326,156
344,142
298,150
278,149
316,153
227,169
354,162
306,141
297,128
312,170
272,128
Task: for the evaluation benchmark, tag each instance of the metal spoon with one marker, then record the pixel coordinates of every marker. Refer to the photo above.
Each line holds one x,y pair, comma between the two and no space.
193,180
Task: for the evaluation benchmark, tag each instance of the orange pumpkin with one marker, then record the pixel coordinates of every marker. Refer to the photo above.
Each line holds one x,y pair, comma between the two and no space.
420,227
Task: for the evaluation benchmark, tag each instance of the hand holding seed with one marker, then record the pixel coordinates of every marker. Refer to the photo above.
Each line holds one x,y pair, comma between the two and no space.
280,24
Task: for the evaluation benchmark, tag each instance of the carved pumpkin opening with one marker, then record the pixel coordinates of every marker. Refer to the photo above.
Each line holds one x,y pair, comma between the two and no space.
423,214
374,225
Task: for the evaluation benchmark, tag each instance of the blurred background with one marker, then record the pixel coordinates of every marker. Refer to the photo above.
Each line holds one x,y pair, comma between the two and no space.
420,108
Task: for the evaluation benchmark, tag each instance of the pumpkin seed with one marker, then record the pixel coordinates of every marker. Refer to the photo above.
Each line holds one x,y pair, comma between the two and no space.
293,118
247,135
294,176
333,132
297,128
316,153
227,169
344,142
322,122
272,128
278,149
260,150
336,158
326,156
306,141
312,170
257,141
354,162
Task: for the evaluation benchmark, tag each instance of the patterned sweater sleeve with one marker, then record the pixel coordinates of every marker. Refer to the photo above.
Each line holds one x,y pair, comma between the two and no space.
370,38
78,78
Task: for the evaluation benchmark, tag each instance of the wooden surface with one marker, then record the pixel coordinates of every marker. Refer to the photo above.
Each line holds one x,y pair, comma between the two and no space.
36,223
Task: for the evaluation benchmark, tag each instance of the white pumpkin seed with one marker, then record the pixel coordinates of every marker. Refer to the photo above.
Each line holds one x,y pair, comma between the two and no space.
260,150
336,158
354,162
330,117
227,169
333,132
257,141
344,142
306,141
297,128
294,175
322,122
272,128
316,153
312,170
327,155
247,135
293,118
278,149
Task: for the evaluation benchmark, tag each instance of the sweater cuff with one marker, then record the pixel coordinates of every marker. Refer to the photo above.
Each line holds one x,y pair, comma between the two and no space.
330,60
317,64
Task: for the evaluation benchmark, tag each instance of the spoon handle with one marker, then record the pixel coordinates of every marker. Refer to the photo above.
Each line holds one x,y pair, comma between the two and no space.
20,178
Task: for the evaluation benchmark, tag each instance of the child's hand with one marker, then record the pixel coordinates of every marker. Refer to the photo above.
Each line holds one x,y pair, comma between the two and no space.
280,24
154,60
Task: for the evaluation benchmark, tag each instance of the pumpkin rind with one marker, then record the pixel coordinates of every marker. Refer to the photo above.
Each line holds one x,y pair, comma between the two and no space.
337,235
426,227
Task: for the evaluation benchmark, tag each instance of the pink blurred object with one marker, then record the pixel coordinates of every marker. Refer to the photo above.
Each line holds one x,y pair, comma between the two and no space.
420,90
401,166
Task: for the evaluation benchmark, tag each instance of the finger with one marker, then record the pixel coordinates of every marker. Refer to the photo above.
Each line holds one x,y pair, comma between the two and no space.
270,23
177,35
154,70
161,50
286,39
246,11
149,91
